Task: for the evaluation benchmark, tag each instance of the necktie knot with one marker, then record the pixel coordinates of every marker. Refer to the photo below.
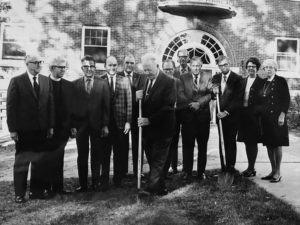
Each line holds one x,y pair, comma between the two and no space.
150,81
35,86
88,85
196,78
224,78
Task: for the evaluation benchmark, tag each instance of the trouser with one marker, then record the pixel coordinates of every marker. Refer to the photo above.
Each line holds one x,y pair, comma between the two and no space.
116,141
85,135
191,131
157,152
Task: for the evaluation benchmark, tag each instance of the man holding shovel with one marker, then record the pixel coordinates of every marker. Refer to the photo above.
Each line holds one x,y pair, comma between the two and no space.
227,85
158,120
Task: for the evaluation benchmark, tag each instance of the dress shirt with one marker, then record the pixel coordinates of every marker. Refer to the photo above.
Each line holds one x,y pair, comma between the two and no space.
198,79
85,82
223,82
53,78
114,80
129,75
31,78
250,81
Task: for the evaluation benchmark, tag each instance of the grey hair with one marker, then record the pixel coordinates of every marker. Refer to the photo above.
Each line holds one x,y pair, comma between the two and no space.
270,62
56,60
150,57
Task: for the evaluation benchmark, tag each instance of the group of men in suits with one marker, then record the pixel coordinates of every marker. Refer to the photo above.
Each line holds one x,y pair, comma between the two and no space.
100,111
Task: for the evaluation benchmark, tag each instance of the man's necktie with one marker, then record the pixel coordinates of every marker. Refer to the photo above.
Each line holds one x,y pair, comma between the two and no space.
223,84
129,78
111,84
88,85
35,86
149,87
224,78
196,79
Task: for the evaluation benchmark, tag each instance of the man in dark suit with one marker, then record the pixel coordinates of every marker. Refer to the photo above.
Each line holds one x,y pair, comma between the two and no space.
63,127
91,115
168,67
119,124
30,120
137,82
158,120
193,99
228,84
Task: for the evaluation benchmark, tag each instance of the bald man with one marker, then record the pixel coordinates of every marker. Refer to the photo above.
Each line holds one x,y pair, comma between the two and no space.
119,124
158,121
30,120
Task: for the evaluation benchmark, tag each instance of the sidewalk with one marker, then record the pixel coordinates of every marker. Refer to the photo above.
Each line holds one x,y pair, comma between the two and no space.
287,189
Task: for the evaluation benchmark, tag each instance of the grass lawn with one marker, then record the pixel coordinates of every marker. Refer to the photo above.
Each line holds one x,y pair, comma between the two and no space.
193,203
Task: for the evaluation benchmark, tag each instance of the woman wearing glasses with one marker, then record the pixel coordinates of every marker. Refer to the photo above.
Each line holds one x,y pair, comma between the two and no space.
275,101
249,129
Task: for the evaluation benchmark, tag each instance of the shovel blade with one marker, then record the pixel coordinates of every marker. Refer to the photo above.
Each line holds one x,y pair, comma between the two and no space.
225,179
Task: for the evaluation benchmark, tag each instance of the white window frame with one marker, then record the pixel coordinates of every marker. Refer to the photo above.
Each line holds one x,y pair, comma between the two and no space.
99,66
13,61
288,73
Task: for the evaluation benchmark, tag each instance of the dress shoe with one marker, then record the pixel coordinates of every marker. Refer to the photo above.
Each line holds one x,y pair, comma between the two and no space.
95,187
162,192
174,171
186,176
249,173
268,177
233,171
42,195
81,189
64,192
168,177
201,176
275,179
104,187
144,194
19,199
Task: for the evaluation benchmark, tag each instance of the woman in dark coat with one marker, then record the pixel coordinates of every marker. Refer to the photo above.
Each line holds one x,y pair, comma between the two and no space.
275,101
249,130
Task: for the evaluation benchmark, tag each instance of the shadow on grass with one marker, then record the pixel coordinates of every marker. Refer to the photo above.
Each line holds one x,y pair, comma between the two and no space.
187,203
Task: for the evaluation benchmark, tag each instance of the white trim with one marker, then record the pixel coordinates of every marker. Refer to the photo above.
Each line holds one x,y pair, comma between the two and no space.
287,73
99,66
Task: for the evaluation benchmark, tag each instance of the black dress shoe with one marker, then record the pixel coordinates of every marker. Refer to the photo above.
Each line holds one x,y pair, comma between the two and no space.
201,176
186,176
249,173
104,187
81,189
95,187
144,194
40,195
268,177
19,199
162,192
275,179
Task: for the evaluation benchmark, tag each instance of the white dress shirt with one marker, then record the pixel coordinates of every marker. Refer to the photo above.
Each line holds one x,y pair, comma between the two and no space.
31,78
250,81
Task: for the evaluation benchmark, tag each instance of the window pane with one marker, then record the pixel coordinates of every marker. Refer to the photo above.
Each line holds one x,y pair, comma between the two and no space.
12,50
87,32
287,46
99,53
104,33
104,41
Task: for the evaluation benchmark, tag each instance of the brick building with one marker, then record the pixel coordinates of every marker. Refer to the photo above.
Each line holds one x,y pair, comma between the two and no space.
207,28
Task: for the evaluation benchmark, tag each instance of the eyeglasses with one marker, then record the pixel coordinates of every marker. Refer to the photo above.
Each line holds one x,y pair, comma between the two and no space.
88,67
37,62
251,67
112,65
223,65
268,68
60,67
129,63
168,69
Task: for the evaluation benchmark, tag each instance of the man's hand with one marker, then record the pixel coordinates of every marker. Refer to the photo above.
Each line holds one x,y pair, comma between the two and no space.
127,128
50,133
104,131
143,122
215,89
73,132
14,136
194,105
139,94
281,119
222,115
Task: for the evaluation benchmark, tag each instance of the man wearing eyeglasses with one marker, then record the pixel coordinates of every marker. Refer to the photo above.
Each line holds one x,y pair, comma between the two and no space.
183,59
91,114
63,102
229,87
119,124
137,81
30,120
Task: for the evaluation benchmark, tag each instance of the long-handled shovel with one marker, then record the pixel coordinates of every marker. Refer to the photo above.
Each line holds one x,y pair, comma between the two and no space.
140,148
225,179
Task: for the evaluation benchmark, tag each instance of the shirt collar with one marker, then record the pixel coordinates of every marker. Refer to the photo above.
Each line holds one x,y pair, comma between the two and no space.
91,78
53,78
271,78
227,74
126,74
31,75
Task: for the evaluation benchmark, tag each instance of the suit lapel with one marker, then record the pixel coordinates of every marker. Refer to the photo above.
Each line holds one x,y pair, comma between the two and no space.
156,84
42,86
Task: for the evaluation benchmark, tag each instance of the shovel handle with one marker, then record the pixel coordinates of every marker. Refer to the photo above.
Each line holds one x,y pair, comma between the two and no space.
221,131
140,148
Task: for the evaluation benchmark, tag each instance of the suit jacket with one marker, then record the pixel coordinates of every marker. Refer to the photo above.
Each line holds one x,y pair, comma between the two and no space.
158,107
189,92
138,83
121,100
232,98
25,110
177,70
94,107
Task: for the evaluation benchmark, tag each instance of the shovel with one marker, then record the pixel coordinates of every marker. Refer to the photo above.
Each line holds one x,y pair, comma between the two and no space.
225,179
140,149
